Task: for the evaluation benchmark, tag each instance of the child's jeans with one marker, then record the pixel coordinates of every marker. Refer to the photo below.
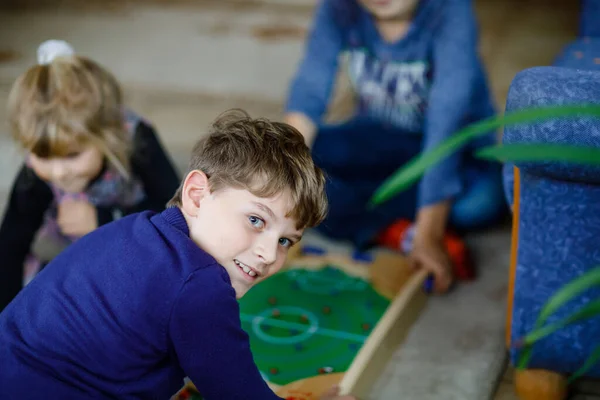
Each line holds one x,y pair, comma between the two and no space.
359,155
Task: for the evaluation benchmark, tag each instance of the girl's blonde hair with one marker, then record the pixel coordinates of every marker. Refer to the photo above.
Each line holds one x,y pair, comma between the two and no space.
67,102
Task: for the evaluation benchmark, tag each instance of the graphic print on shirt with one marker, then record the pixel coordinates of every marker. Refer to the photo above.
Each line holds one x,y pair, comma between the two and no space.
393,92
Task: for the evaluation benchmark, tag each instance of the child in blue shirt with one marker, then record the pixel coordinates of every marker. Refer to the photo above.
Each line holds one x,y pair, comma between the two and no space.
417,79
133,307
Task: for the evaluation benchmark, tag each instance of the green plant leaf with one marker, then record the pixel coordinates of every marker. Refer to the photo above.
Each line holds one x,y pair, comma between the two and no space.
415,168
572,289
540,152
566,293
589,363
589,311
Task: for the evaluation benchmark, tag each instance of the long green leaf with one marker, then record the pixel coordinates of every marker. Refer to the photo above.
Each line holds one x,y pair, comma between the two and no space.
566,293
589,311
541,152
590,362
414,169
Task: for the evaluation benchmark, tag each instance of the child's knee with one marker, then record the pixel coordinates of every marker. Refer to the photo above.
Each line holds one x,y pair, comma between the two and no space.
482,205
329,152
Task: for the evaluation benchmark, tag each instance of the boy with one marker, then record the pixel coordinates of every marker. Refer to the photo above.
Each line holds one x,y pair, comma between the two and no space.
417,78
132,308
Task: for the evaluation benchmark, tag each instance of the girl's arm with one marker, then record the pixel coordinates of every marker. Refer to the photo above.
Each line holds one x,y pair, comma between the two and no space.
151,164
29,199
311,88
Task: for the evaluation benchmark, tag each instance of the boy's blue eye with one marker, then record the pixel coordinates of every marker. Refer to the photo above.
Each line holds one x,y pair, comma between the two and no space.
256,222
285,242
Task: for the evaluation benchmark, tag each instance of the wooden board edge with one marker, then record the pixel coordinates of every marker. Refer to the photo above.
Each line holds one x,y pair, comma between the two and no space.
388,334
274,387
310,388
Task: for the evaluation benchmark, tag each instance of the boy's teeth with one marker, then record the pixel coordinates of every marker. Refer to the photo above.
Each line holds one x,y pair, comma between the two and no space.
245,268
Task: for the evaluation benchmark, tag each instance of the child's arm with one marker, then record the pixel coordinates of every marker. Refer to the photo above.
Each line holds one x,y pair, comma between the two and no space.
311,88
457,70
153,166
207,337
30,197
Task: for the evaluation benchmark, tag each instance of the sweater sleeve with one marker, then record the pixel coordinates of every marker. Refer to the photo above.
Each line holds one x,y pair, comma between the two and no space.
30,197
456,66
152,165
311,88
208,339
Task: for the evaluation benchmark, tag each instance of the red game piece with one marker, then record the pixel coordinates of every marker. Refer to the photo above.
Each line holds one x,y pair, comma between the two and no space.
303,318
462,264
325,370
274,371
326,310
272,300
275,313
366,326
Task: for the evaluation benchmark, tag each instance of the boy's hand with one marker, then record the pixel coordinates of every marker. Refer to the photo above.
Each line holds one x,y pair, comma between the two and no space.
430,254
332,394
77,217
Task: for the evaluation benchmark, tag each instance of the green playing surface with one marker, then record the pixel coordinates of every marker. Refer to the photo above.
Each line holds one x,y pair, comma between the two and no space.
305,322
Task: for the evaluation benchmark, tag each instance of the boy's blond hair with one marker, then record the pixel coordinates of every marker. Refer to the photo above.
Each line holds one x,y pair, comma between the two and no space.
265,158
69,101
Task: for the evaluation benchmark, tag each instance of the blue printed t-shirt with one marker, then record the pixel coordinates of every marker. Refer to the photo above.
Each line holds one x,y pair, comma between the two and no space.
430,82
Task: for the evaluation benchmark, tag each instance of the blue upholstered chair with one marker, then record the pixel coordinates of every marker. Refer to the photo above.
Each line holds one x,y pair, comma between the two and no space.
556,205
558,216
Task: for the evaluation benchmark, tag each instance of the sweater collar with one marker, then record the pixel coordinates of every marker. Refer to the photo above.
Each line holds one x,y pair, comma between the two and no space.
174,216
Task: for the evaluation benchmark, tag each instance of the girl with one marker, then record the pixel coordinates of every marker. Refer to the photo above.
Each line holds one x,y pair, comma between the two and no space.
88,162
417,78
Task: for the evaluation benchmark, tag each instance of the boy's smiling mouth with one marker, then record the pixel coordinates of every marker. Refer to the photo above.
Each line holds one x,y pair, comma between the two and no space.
249,273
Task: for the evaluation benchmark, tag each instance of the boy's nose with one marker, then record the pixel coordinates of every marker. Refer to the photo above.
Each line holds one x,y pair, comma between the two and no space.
267,253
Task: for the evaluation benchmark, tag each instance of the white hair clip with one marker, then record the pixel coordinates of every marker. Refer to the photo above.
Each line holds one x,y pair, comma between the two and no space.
51,49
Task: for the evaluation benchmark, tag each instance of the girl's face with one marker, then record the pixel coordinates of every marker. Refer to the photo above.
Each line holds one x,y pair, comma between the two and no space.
389,9
73,172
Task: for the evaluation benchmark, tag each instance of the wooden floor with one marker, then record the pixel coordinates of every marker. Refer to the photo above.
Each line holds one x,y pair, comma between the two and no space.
587,389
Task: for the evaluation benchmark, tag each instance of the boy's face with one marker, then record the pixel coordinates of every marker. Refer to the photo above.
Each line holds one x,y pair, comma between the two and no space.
248,235
389,9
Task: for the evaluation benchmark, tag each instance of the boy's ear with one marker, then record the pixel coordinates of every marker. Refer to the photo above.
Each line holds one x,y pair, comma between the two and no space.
195,188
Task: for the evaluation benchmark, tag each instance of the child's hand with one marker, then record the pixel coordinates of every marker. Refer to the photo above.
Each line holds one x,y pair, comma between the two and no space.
332,394
430,254
77,217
